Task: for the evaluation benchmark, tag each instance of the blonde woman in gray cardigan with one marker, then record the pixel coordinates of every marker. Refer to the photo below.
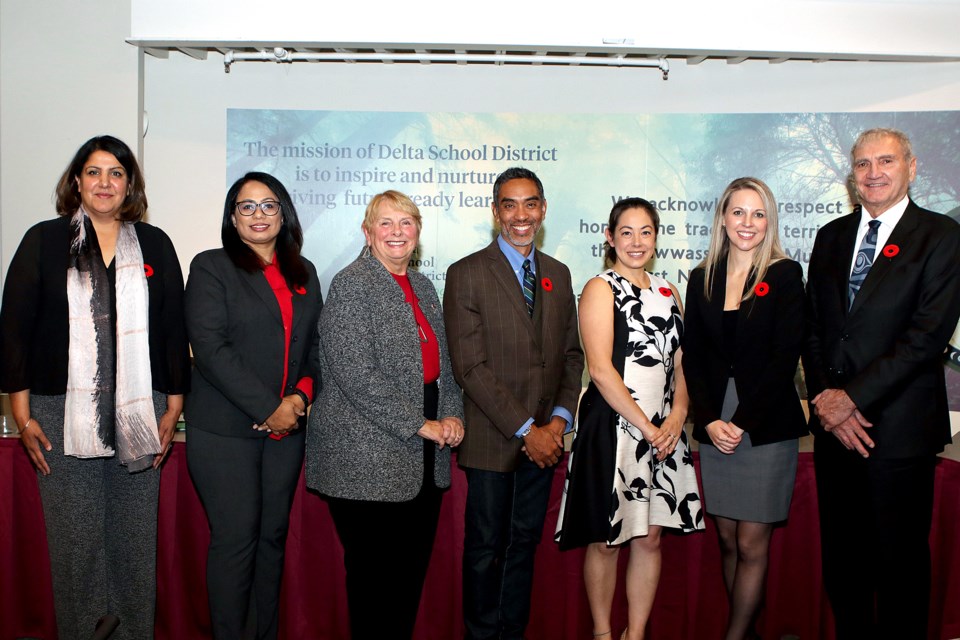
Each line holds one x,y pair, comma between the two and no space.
378,443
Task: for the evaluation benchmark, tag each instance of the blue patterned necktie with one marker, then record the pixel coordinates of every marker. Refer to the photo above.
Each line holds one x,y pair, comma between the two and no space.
864,261
529,286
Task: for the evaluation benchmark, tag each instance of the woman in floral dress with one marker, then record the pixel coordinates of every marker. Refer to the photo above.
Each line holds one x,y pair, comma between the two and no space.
631,473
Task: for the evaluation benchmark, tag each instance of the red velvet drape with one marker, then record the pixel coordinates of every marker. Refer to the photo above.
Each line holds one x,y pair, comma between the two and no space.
690,603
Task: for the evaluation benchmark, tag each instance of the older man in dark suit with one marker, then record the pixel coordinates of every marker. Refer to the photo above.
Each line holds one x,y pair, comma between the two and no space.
511,324
884,297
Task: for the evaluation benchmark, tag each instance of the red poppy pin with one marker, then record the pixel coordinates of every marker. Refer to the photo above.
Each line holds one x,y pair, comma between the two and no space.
547,284
665,292
299,289
891,250
762,289
147,270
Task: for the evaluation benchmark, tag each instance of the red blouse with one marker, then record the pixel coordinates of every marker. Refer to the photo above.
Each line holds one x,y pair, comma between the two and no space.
429,347
285,299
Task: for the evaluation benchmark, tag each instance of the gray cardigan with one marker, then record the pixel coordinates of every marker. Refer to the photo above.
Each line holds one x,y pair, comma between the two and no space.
362,441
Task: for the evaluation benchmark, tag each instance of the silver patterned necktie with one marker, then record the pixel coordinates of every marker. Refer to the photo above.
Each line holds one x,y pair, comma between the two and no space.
864,261
529,286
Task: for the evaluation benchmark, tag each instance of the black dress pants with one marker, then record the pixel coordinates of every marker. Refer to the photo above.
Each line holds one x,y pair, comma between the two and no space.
874,528
503,525
246,486
386,552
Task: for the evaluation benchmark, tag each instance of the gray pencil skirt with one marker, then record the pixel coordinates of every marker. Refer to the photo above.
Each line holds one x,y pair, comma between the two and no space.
754,484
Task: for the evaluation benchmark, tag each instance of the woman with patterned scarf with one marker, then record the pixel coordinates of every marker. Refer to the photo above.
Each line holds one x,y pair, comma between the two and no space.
93,353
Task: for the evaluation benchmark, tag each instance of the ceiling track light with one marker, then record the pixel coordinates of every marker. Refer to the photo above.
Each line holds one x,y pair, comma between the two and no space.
281,55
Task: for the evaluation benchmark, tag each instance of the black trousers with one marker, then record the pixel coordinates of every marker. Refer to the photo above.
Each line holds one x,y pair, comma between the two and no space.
246,486
503,525
386,551
874,528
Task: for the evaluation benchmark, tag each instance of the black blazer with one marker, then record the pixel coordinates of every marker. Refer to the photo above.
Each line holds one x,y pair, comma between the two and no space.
768,342
887,351
235,329
34,324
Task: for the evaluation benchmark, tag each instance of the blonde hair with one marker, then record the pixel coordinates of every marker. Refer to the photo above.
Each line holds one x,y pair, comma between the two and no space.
398,200
766,254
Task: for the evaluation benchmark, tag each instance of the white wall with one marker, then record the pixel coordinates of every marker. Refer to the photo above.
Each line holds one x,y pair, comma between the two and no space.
66,75
880,27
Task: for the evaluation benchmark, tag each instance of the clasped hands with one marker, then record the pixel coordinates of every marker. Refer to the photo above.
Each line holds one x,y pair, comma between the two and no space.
544,444
445,431
839,415
725,436
664,438
285,417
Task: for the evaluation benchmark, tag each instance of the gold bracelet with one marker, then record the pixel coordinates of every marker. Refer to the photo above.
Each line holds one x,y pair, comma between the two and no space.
25,425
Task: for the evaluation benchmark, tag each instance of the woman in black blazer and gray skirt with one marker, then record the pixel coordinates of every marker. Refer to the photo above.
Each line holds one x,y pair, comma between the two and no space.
741,345
252,310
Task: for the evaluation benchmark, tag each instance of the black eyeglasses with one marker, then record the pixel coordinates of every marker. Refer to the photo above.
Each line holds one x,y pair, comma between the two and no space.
249,207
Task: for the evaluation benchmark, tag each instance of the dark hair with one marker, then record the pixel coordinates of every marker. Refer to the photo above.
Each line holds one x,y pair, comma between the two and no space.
618,210
515,173
289,240
134,205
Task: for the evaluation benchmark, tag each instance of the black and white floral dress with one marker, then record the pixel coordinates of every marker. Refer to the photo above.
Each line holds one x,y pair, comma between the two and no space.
615,487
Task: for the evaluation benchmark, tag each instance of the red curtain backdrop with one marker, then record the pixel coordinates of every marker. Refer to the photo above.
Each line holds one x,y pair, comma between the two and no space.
690,602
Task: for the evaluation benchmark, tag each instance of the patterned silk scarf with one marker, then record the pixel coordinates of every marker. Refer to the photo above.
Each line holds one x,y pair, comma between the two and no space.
109,404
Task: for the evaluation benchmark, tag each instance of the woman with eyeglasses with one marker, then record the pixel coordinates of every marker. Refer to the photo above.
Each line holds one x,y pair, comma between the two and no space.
252,310
378,445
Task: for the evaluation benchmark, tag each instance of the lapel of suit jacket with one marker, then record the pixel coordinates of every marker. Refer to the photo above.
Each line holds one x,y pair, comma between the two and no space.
841,252
430,310
388,295
745,313
543,302
258,282
506,279
881,263
299,300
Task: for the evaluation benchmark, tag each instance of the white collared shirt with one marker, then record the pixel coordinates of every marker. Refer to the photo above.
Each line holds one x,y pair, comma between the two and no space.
888,220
